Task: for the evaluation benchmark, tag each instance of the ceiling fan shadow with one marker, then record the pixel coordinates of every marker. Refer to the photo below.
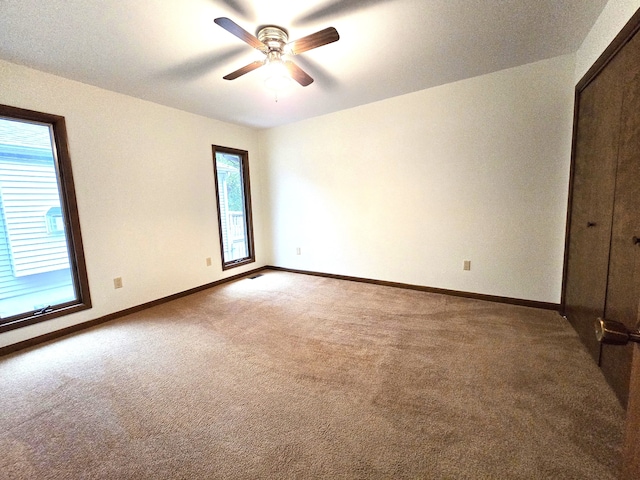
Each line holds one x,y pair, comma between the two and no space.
239,8
202,64
335,8
324,79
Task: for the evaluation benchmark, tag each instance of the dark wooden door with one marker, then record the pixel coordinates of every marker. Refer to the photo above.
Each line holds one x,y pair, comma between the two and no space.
623,294
594,172
623,286
602,263
602,277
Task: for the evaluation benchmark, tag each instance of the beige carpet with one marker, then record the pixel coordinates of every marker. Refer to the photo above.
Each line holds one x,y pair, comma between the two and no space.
293,376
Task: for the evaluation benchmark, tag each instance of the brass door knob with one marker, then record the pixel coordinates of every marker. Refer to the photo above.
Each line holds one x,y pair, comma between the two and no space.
611,332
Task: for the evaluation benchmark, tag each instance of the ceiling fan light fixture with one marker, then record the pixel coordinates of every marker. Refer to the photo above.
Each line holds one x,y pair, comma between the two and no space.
277,76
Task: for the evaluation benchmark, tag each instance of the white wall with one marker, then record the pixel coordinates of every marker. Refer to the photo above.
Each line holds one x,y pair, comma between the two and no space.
145,189
405,189
613,18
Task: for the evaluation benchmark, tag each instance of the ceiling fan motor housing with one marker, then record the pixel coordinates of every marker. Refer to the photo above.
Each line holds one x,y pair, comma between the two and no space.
274,38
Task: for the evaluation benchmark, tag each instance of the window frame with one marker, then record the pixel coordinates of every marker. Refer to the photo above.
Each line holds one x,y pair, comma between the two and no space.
248,216
69,207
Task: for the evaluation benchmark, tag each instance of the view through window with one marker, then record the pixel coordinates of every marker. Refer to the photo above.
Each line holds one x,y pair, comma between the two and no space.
234,206
38,256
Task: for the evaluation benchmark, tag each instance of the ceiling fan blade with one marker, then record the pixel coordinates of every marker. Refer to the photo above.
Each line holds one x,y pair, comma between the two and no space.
235,29
315,40
246,69
298,74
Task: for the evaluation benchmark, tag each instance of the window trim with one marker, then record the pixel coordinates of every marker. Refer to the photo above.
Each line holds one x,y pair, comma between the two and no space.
244,156
70,208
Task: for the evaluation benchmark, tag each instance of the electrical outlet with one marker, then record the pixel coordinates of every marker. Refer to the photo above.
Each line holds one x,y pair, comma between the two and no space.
117,282
467,265
298,251
208,261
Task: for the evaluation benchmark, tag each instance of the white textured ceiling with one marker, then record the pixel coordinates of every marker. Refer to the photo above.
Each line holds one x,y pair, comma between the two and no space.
171,52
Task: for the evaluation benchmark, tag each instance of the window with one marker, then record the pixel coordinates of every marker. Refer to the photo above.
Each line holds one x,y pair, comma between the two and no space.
231,169
42,269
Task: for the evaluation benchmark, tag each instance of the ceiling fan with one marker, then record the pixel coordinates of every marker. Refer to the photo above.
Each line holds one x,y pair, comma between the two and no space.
274,42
